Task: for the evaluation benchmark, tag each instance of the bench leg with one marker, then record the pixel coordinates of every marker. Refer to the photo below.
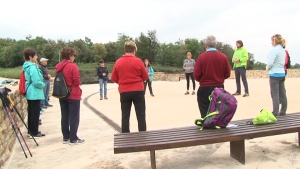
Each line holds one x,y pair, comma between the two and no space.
152,158
237,150
299,138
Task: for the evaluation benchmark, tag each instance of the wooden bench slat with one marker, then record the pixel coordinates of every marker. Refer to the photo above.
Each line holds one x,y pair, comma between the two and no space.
199,137
169,132
198,141
194,131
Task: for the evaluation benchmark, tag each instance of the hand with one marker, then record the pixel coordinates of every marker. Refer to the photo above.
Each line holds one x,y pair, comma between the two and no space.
236,60
49,76
103,74
148,74
188,68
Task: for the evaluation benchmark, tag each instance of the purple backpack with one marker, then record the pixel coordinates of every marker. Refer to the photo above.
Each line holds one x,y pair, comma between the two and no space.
221,110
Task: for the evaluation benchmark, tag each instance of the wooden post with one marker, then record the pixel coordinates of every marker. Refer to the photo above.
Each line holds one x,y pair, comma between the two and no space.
152,158
237,150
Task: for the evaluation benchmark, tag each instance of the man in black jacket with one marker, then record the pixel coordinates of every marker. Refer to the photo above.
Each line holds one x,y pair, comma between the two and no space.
47,76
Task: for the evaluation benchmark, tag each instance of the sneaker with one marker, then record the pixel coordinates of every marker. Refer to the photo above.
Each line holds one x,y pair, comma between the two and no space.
152,95
39,135
105,97
236,94
49,105
29,136
193,93
246,95
79,141
101,98
40,122
66,141
186,93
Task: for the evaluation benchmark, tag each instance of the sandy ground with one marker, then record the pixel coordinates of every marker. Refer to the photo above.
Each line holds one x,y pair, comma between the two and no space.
169,108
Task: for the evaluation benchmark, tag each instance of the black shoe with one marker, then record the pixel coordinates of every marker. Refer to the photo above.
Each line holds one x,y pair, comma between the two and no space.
49,105
101,98
152,95
246,95
66,141
44,107
236,94
79,141
40,122
193,93
186,93
39,135
282,114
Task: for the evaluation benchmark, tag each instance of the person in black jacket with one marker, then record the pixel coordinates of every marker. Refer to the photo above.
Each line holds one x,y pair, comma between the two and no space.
102,73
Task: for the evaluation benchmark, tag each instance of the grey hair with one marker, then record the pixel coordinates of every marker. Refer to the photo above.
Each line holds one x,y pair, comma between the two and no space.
210,41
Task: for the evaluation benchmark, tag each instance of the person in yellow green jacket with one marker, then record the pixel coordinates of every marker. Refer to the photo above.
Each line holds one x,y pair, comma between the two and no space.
240,59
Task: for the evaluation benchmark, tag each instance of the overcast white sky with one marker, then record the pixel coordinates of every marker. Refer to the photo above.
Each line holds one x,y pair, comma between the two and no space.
253,21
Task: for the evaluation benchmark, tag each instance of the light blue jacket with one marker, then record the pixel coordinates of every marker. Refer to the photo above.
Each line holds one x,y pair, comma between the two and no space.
151,72
34,81
276,60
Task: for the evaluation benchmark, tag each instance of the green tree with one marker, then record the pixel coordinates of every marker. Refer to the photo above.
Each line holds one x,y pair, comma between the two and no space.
99,51
111,52
122,38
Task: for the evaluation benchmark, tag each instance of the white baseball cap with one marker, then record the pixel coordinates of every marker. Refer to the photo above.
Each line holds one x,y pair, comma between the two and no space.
43,59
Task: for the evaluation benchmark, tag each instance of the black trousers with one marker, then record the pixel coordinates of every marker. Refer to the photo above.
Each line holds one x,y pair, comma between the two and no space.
138,99
187,76
70,115
241,72
149,85
33,116
202,98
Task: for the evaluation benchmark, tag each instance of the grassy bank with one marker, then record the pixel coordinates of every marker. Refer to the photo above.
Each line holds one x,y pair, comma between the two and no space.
87,71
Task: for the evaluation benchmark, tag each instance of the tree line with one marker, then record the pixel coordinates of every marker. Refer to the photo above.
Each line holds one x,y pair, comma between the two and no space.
170,54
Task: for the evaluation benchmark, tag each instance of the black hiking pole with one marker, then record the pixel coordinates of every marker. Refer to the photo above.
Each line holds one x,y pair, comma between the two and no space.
14,108
16,125
12,123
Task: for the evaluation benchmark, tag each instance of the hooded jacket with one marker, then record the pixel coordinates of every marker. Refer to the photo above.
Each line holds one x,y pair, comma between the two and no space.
72,78
34,81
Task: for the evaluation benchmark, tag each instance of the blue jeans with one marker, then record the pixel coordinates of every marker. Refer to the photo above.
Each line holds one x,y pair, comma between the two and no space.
103,83
46,93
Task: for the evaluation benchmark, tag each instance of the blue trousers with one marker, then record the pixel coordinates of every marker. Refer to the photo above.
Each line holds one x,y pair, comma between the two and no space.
46,93
103,84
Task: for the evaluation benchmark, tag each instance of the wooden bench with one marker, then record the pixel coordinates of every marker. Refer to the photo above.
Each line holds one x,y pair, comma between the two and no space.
192,136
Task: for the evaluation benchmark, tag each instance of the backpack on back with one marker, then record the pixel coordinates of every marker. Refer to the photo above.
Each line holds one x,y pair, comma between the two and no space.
288,65
22,84
221,110
60,88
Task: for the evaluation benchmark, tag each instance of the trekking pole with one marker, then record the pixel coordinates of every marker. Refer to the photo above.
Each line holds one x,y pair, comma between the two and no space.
14,108
12,124
17,126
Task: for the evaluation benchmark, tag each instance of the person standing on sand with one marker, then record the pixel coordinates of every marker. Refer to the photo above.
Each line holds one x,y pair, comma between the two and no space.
275,68
149,81
188,66
240,59
102,73
211,69
130,73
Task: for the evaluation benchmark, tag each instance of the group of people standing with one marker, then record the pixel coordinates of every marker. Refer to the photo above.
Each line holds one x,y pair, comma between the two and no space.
210,70
37,93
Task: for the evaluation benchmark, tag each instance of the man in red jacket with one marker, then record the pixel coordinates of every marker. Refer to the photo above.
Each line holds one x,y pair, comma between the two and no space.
211,69
130,73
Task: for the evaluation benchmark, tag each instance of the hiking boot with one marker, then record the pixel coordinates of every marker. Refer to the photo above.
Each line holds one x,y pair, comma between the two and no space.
193,93
101,98
79,141
246,95
105,97
186,93
66,141
236,94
